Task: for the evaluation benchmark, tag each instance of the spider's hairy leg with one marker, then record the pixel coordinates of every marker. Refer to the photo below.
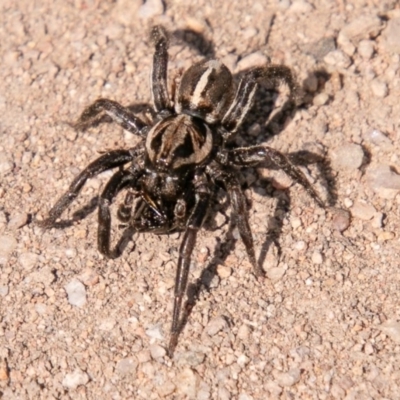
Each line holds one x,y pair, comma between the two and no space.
252,156
109,160
272,76
119,181
119,114
159,88
195,222
239,213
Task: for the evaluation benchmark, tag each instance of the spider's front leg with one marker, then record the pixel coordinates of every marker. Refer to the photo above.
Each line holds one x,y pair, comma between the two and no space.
159,89
194,223
271,75
109,160
119,181
119,114
252,156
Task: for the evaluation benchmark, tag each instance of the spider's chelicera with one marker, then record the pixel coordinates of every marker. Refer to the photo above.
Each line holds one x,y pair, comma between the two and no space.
171,174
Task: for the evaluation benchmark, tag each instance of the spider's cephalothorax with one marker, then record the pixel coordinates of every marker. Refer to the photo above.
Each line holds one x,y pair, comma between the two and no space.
170,175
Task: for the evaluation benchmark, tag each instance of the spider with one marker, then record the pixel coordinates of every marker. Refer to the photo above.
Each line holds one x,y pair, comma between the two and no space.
185,152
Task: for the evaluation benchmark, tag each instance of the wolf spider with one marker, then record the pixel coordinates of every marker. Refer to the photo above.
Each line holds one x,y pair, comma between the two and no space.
171,174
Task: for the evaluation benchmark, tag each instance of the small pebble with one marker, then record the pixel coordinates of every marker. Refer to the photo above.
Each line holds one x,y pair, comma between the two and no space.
338,59
349,157
392,329
18,221
287,379
383,236
76,293
7,246
244,332
384,181
379,88
4,290
216,325
363,210
366,49
191,358
321,99
363,27
256,59
300,7
126,366
341,219
157,351
378,138
317,258
155,332
391,36
75,379
151,8
187,382
295,222
277,273
6,164
28,260
224,271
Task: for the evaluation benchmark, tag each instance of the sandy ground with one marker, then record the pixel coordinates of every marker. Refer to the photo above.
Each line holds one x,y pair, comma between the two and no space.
324,324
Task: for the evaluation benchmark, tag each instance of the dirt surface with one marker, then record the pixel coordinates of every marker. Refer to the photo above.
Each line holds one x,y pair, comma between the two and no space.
324,323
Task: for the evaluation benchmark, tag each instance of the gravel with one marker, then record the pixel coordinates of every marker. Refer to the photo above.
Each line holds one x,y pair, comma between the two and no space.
322,324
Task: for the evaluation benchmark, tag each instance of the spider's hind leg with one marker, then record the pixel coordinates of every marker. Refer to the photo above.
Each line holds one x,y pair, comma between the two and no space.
272,76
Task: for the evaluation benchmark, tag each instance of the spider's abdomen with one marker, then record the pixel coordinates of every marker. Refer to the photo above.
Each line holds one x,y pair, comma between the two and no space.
178,141
205,91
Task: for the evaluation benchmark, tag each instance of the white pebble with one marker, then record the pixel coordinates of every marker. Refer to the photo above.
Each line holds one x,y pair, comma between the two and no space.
366,49
76,293
392,329
379,88
320,99
277,273
256,59
289,378
155,332
338,59
28,260
151,8
7,246
349,156
157,351
363,210
384,181
215,325
363,27
317,258
126,366
6,164
379,139
187,382
75,379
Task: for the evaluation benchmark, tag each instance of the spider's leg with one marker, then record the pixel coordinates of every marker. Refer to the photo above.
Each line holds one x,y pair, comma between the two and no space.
271,75
159,87
195,222
125,209
109,160
121,115
252,156
119,180
239,212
